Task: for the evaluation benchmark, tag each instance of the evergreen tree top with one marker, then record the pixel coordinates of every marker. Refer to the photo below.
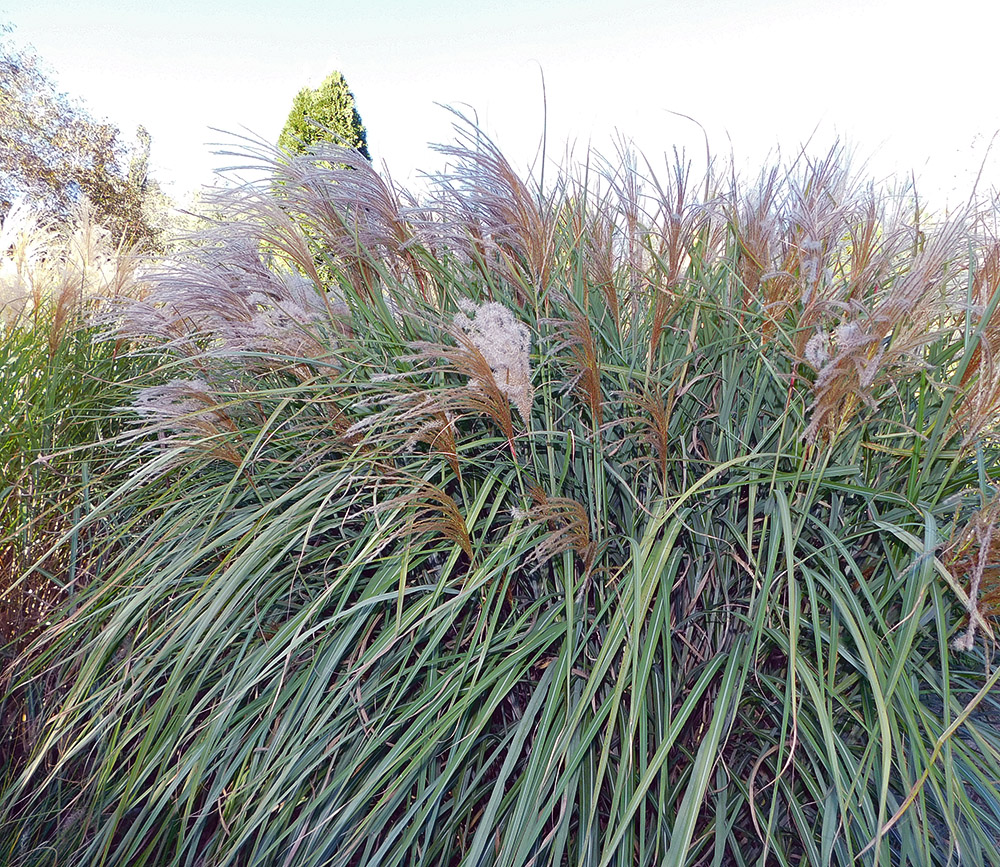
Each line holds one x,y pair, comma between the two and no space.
326,113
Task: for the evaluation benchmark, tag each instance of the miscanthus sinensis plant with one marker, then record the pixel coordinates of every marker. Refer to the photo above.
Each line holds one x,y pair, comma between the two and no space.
626,520
57,392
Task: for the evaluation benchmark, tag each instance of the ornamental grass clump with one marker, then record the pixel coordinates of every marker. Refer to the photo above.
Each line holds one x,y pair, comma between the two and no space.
624,520
56,390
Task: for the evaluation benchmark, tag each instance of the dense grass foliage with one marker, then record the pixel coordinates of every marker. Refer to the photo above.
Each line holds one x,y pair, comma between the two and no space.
619,521
59,391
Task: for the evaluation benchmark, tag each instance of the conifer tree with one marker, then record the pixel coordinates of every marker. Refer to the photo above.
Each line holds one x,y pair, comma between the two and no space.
327,113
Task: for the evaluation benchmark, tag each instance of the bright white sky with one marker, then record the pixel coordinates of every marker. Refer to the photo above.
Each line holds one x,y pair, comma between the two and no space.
909,84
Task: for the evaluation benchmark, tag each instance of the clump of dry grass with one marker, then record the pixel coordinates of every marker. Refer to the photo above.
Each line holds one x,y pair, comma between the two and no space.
52,280
48,272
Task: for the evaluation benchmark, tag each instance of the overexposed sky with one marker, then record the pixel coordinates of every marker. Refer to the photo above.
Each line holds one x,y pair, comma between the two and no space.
911,86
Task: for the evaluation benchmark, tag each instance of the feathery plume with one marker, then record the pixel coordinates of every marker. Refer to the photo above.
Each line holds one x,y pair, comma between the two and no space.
187,412
568,527
978,408
433,511
973,556
483,210
866,351
505,344
583,366
491,355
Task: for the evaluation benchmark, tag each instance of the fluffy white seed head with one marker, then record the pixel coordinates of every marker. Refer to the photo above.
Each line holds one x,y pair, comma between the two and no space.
505,344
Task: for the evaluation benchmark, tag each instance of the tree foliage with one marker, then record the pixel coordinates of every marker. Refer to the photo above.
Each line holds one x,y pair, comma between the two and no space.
327,113
53,151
